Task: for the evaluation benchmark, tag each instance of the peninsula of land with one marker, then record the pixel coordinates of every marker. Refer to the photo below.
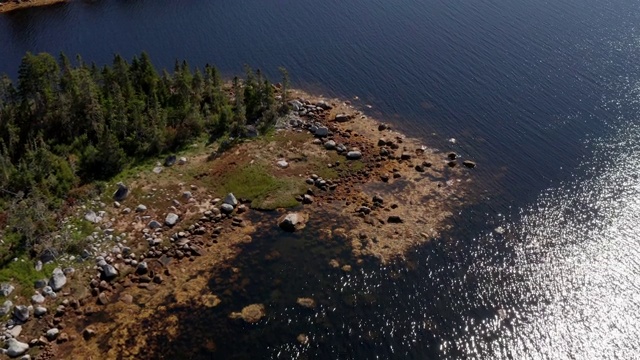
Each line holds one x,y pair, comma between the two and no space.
11,5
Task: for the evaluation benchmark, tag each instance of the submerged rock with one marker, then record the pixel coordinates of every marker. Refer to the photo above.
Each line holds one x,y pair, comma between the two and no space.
468,163
292,221
308,303
251,314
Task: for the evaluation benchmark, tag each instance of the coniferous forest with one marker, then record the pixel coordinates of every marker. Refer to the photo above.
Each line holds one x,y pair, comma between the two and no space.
66,123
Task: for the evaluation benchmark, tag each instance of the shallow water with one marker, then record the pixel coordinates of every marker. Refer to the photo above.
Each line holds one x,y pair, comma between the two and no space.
543,94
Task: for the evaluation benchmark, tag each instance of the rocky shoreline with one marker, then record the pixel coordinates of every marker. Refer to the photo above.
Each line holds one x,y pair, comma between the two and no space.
12,5
163,240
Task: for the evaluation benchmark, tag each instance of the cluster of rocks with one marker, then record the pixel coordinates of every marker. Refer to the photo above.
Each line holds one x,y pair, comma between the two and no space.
46,293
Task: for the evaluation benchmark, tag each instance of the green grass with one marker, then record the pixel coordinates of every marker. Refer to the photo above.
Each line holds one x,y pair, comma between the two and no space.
22,274
266,192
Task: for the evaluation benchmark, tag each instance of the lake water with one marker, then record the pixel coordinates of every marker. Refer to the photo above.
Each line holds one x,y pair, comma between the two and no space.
543,94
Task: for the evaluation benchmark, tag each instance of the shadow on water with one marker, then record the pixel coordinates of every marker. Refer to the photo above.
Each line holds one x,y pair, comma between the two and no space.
409,309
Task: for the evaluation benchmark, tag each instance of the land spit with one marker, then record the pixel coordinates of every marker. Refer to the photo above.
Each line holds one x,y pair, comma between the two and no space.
12,5
354,180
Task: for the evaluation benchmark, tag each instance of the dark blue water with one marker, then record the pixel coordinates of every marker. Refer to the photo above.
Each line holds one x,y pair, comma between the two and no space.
543,94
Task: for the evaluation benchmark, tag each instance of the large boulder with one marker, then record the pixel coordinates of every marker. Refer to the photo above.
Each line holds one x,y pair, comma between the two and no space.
58,279
16,348
171,219
121,193
292,221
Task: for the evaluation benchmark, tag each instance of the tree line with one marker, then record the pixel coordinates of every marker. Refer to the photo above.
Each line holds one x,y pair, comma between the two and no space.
64,124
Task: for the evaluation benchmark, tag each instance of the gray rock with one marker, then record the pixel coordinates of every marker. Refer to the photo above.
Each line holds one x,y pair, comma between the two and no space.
91,216
38,265
142,267
182,161
39,311
170,160
154,224
231,200
226,208
16,348
121,193
321,131
52,333
39,284
15,331
468,163
109,271
296,105
37,298
6,308
21,313
69,271
6,289
157,169
186,195
48,291
307,199
341,148
283,164
58,279
171,219
354,155
330,145
323,105
141,208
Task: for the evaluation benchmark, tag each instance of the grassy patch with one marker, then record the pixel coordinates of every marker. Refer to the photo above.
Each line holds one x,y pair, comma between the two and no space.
255,183
22,274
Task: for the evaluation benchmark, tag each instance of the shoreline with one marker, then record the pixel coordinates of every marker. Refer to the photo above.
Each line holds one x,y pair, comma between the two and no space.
11,5
380,201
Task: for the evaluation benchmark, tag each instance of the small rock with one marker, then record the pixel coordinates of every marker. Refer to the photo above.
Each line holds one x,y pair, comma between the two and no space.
342,118
186,195
303,339
157,169
37,298
88,333
153,224
109,271
121,193
394,219
103,299
21,313
452,156
405,156
354,155
330,145
58,279
382,127
307,199
321,131
252,313
468,163
6,307
91,216
231,200
141,208
182,161
6,289
170,160
39,265
15,331
39,311
142,267
226,208
451,163
308,303
52,333
171,219
419,168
